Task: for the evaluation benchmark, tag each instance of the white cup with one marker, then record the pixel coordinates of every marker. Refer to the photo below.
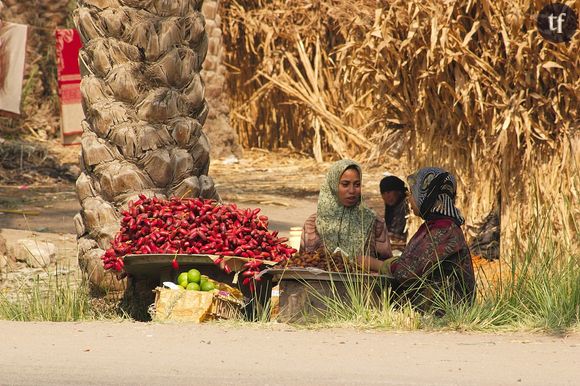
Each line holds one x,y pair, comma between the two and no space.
294,239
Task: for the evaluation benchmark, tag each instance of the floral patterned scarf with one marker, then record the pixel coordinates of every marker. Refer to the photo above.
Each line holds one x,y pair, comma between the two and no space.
339,226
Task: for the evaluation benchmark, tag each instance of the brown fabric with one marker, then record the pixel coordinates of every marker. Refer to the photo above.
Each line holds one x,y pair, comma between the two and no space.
379,244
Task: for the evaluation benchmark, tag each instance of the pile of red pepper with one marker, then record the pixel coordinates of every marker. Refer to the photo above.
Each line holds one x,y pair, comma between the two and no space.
196,226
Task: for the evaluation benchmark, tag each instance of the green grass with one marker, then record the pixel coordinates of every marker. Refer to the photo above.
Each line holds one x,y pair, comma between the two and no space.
540,292
52,299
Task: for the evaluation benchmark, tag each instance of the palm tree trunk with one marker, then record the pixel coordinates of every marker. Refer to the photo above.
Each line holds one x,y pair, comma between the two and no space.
144,102
222,136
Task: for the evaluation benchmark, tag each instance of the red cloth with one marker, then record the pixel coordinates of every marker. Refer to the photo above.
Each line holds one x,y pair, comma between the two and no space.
68,44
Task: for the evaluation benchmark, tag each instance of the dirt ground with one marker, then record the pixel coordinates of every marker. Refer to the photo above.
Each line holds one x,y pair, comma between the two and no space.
109,353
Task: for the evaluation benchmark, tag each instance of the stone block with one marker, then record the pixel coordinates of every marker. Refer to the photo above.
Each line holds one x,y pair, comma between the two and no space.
35,253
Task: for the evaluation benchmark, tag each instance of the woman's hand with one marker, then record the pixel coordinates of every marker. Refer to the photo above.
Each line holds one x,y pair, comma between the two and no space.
369,264
386,268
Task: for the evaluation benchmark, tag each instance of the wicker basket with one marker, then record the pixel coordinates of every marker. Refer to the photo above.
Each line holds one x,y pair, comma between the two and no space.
195,306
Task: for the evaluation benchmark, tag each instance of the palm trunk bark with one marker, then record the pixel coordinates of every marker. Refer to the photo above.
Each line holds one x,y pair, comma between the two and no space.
222,136
144,102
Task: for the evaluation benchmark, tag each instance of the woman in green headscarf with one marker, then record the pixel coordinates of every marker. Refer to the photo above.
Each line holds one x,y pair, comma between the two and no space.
342,221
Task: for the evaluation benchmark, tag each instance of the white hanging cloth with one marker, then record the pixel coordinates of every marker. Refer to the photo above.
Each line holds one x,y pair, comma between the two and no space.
12,57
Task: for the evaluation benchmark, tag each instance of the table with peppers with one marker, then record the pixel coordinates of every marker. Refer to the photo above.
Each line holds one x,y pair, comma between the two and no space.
159,237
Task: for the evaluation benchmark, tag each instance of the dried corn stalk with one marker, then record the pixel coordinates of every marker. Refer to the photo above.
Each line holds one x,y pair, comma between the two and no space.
144,103
470,86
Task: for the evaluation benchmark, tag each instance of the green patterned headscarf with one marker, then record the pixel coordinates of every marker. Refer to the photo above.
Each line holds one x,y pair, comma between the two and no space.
339,226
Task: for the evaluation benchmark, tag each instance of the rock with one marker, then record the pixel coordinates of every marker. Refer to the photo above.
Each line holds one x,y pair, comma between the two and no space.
36,253
101,281
74,171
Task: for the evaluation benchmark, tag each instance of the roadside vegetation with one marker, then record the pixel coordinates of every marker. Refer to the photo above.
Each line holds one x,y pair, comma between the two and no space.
535,288
54,299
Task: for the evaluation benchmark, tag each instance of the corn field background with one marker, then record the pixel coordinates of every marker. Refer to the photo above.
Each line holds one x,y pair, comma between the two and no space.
467,85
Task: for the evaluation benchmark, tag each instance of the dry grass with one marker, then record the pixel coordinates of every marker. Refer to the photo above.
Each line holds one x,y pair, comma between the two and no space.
470,86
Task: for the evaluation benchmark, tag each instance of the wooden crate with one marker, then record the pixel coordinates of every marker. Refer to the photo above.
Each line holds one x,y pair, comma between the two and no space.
304,292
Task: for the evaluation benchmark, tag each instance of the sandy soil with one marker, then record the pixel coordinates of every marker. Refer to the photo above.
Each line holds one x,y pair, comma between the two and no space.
47,209
108,353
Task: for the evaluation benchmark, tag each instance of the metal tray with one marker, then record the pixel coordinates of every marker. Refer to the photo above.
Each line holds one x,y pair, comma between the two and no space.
279,274
152,264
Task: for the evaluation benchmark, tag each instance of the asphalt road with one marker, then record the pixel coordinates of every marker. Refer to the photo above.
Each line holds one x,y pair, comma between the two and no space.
125,353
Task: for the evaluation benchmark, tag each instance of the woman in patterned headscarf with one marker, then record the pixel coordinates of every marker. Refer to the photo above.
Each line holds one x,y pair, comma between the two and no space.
437,259
342,221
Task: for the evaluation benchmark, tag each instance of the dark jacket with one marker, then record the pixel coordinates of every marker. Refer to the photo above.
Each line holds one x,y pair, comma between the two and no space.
396,219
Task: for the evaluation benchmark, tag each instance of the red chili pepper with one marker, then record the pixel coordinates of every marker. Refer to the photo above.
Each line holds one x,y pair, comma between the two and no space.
153,225
174,264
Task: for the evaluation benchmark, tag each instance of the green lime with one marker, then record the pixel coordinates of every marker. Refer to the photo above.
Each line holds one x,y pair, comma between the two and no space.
182,278
207,286
183,284
193,287
193,275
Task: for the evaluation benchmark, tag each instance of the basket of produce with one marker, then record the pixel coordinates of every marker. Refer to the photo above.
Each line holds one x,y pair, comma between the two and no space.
321,265
321,259
196,298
